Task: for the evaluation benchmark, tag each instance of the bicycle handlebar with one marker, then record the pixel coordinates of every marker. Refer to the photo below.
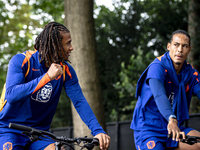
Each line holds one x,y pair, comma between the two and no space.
20,127
188,139
33,131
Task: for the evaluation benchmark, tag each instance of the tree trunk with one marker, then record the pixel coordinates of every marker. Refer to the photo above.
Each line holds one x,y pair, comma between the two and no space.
191,27
79,20
194,31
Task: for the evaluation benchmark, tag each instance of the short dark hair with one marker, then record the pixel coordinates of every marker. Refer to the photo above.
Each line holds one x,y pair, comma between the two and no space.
49,43
179,32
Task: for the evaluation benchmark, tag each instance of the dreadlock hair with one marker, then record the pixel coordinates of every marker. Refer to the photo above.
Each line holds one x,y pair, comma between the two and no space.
179,32
49,43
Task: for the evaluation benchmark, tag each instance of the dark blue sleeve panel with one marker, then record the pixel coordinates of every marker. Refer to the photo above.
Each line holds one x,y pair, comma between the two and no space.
160,97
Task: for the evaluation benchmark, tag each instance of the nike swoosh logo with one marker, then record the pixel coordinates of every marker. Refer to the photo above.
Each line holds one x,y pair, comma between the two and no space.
35,69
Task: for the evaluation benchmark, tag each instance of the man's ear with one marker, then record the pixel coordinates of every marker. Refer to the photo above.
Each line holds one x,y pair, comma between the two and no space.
168,46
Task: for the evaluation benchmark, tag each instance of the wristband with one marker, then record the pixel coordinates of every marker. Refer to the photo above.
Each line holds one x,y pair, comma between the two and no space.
172,116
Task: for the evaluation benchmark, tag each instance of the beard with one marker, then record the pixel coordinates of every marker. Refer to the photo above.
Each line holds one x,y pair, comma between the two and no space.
177,63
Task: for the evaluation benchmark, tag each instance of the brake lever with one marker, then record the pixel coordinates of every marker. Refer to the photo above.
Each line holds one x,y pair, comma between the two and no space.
32,135
189,140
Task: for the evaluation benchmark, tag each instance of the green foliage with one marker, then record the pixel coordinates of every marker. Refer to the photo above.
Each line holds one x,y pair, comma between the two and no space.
15,33
195,105
117,39
54,8
164,17
127,85
3,17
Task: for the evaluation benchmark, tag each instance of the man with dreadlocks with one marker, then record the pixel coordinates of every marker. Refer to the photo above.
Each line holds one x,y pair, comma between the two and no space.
33,87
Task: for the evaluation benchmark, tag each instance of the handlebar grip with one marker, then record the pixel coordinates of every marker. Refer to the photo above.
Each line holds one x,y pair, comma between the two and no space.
20,127
170,136
96,141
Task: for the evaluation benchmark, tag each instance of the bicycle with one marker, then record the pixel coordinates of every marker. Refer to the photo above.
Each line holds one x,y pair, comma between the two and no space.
188,139
60,141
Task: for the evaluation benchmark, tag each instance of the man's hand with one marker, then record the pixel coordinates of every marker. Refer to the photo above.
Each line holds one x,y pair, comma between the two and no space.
104,141
173,129
54,71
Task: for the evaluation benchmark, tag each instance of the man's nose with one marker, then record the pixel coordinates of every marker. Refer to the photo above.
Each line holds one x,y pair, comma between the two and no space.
71,48
180,48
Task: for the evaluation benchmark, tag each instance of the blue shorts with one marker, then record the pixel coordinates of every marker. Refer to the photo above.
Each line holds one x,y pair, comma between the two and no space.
15,141
145,140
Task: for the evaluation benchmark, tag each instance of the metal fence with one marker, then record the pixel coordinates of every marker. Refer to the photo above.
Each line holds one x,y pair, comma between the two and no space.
121,134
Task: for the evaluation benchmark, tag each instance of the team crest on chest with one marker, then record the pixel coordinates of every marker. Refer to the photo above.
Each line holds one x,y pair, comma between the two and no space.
7,146
43,95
